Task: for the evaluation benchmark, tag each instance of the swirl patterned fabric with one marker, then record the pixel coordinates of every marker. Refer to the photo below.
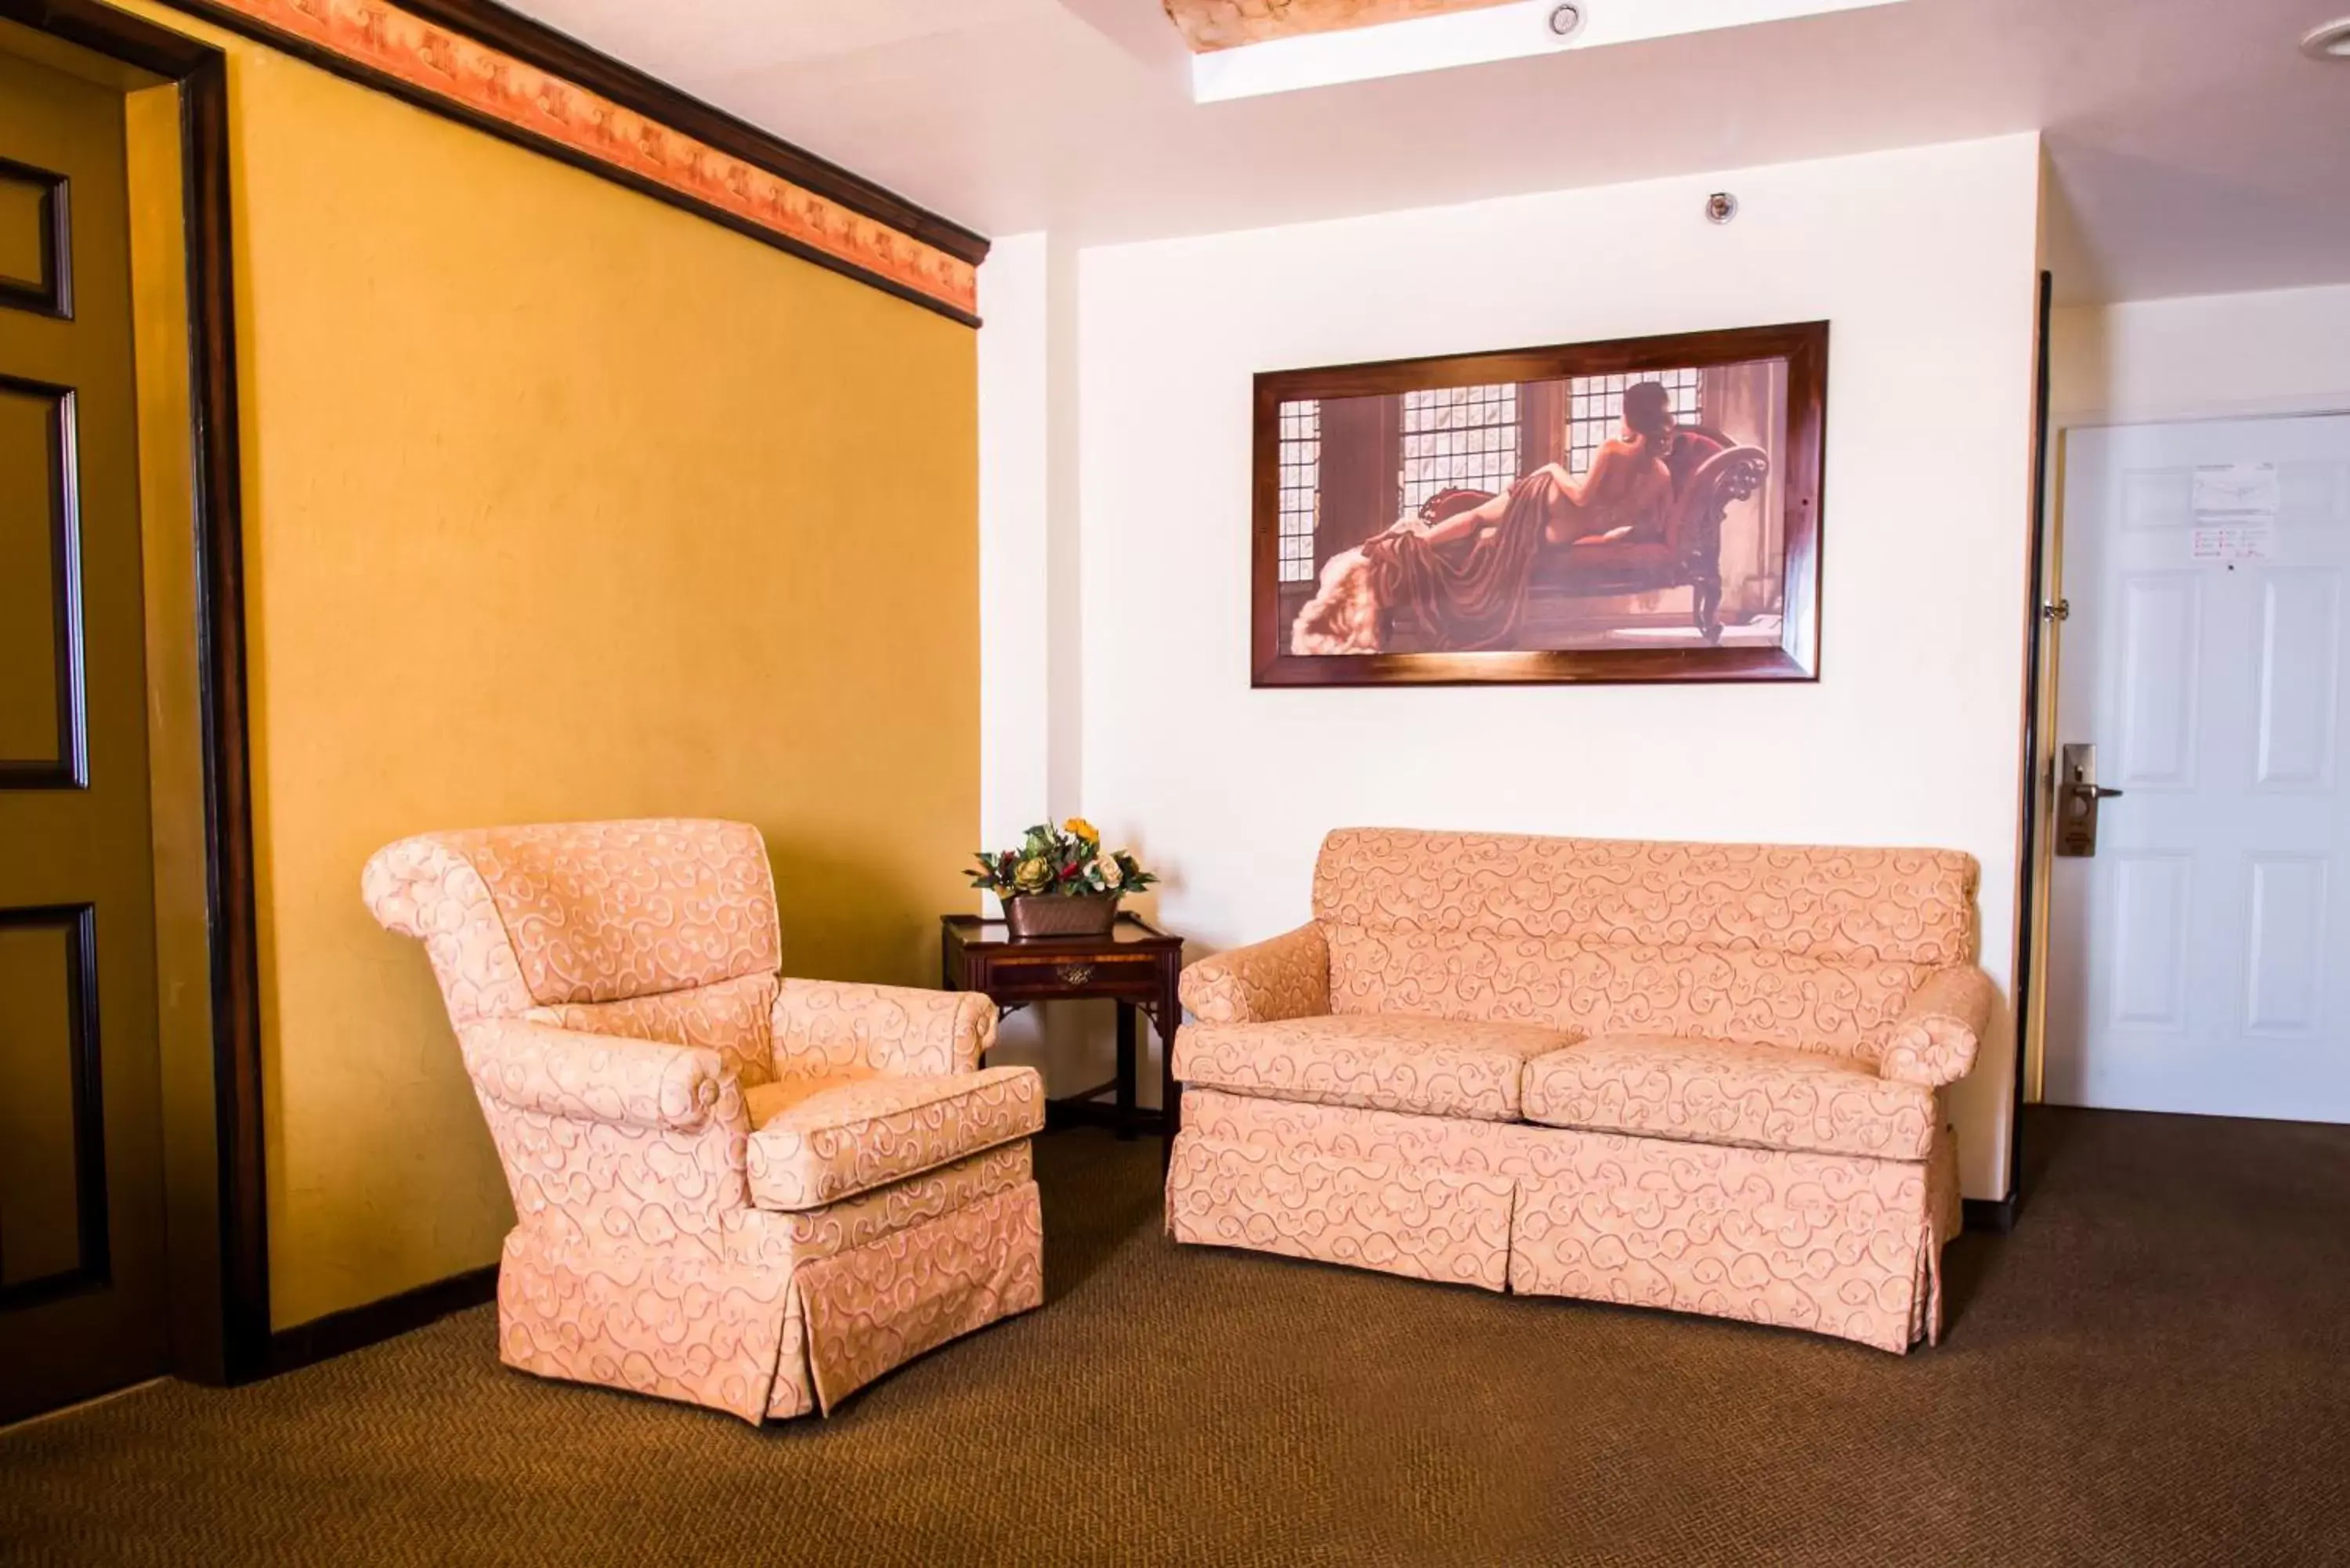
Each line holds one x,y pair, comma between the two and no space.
1732,1092
1838,1244
1933,1041
668,1321
532,1067
1288,976
1824,1243
1739,1047
877,1306
619,1013
1906,906
601,911
1363,1136
771,1237
1390,1062
655,1161
729,1017
872,1131
421,888
1599,987
821,1026
1423,1221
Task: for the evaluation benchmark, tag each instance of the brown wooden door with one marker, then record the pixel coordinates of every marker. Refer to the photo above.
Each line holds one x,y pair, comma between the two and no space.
81,1201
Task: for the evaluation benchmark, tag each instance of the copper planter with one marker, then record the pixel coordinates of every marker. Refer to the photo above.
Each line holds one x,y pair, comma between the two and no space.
1061,914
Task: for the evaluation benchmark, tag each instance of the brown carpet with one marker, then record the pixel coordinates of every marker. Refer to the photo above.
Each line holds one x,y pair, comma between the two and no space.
2153,1369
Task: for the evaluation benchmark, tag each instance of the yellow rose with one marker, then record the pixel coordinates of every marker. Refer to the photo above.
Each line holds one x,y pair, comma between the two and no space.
1078,826
1033,875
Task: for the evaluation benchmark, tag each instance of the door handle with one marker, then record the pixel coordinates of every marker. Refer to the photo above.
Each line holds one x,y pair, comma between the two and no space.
2077,795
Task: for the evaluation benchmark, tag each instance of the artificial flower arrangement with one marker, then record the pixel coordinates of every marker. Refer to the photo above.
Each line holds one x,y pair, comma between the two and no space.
1060,881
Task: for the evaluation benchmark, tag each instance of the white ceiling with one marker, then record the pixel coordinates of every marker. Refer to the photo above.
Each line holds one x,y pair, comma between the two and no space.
2194,149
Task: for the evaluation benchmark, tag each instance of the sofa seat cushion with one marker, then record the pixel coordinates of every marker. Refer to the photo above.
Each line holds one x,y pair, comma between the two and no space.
814,1141
1730,1092
1386,1062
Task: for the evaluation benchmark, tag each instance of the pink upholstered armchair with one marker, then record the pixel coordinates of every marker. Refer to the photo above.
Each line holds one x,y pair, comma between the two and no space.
745,1192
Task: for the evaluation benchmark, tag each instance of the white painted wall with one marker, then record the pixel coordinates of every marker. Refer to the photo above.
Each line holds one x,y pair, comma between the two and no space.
1924,262
1014,510
1030,680
2282,351
1115,515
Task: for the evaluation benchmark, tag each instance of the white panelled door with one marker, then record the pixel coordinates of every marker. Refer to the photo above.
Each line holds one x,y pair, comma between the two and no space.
2200,960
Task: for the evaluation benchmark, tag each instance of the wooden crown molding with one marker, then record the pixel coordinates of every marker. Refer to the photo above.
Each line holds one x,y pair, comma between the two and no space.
494,69
1212,25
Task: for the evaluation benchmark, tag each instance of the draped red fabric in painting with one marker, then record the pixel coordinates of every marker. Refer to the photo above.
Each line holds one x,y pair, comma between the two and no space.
1472,591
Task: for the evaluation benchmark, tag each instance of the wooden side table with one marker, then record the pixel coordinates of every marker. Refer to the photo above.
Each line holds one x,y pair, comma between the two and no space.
1136,966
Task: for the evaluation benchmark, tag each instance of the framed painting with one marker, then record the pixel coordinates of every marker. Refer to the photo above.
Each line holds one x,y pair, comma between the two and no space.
1647,509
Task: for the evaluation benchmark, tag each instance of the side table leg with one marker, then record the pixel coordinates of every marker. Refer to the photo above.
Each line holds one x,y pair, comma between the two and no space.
1126,1073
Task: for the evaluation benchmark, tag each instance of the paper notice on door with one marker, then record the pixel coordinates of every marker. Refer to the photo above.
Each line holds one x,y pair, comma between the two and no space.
2232,541
2231,491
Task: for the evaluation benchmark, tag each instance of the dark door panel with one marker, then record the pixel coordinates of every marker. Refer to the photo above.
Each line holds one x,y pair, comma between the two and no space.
81,1201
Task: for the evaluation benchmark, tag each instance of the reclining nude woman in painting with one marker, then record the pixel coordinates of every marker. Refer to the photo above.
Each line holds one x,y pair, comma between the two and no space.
1466,566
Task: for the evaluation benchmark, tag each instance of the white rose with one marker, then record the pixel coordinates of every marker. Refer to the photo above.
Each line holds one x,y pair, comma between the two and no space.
1107,869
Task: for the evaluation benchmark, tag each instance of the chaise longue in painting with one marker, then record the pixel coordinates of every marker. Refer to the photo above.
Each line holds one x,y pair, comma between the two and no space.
1702,1077
736,1190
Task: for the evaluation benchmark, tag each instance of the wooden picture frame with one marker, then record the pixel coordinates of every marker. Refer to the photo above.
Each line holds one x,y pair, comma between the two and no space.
1498,581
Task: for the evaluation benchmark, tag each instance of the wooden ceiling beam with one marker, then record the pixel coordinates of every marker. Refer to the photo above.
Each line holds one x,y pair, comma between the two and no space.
1211,24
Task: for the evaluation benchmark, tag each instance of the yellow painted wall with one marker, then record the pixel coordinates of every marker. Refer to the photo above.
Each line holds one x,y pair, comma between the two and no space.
561,503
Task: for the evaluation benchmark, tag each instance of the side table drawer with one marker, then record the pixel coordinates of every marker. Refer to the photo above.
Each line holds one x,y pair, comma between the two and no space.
1037,977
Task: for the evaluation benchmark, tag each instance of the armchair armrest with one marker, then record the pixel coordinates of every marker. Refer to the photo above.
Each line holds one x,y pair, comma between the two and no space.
607,1078
825,1024
1288,976
1934,1041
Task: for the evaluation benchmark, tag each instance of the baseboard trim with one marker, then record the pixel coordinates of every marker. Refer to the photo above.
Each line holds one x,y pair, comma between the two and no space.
1996,1215
357,1327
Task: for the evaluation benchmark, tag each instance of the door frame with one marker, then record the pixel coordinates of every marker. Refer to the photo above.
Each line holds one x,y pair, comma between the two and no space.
2044,719
1998,1214
218,1274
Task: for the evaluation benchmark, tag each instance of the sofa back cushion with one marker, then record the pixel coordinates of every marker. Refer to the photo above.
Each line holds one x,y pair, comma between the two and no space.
1772,942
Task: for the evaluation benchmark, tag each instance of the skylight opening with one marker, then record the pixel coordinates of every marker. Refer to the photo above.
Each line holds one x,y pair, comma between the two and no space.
1475,38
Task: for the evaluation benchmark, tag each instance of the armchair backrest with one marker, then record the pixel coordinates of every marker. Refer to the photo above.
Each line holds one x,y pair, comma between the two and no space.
1771,941
578,917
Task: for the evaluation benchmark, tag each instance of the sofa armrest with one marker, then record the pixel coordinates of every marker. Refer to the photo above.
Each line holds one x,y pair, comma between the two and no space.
1935,1039
821,1024
608,1078
1288,976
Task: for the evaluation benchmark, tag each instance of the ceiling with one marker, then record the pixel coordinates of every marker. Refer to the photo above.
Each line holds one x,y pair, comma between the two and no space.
2194,149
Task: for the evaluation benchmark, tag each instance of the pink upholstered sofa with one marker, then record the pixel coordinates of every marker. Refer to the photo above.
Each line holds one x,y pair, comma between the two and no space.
1706,1077
745,1192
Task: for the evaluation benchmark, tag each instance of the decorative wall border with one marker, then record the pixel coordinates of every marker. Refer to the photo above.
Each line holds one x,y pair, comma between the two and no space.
496,69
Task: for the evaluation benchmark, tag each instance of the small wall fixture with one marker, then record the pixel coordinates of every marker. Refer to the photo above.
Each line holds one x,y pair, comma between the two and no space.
2329,42
1721,207
1565,21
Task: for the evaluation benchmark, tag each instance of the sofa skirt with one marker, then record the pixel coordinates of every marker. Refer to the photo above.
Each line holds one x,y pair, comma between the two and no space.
1420,1221
1841,1245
